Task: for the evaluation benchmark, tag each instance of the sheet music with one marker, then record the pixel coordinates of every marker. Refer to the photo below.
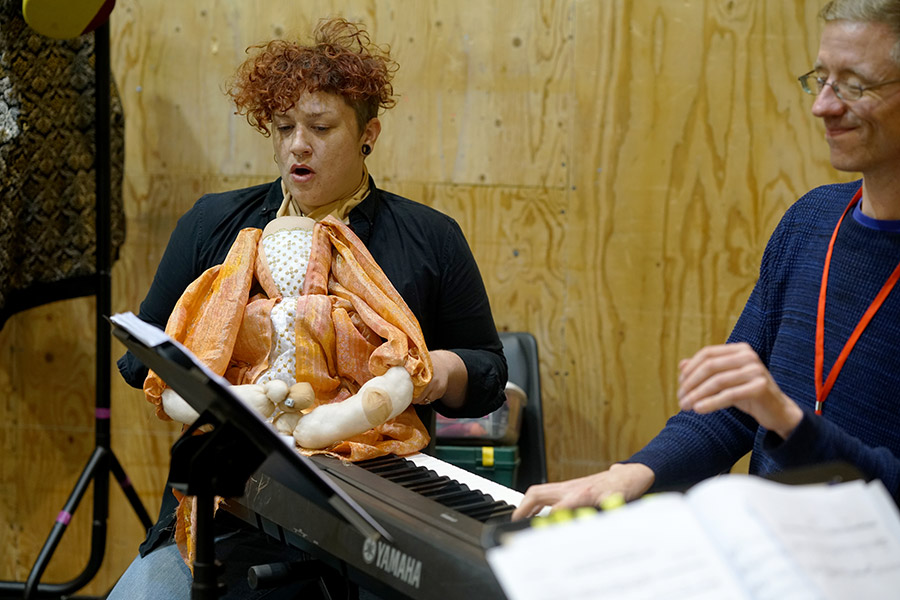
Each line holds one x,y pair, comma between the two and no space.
764,566
730,537
844,540
145,332
653,549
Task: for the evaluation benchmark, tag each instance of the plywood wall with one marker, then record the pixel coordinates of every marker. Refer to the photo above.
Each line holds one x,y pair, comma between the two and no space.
616,166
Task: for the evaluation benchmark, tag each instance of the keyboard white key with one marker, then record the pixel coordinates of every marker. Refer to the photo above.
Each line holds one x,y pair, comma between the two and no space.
475,482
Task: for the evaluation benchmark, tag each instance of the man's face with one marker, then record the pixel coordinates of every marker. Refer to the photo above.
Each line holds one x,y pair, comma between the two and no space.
864,134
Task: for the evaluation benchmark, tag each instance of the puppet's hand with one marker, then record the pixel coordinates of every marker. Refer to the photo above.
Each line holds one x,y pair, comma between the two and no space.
177,407
254,396
261,398
380,399
300,397
264,398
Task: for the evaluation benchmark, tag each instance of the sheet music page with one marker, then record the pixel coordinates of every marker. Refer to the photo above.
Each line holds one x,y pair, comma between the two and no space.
845,538
654,548
762,563
148,334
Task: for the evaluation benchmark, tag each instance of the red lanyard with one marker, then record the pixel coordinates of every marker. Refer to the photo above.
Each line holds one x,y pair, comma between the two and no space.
823,389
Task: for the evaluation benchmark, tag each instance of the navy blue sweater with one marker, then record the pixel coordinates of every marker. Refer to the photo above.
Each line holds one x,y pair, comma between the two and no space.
861,417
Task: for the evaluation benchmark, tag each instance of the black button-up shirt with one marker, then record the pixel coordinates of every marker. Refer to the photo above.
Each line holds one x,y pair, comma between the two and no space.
422,251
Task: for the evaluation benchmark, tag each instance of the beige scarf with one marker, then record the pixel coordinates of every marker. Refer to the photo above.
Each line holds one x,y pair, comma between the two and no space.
339,208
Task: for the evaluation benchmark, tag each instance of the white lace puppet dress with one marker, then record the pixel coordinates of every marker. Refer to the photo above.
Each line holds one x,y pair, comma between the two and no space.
287,243
287,246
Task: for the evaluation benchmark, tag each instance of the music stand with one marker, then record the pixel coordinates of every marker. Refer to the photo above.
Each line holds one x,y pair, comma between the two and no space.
220,462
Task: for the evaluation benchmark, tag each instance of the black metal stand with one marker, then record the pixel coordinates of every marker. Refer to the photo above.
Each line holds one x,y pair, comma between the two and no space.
102,461
328,582
221,461
217,463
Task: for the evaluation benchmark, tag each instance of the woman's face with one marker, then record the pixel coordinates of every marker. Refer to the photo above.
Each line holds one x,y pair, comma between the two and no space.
318,148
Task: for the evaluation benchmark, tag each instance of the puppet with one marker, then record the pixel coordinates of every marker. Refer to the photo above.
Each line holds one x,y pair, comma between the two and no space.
305,325
309,330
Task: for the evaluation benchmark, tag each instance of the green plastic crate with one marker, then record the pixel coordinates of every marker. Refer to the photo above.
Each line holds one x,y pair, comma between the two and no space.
473,459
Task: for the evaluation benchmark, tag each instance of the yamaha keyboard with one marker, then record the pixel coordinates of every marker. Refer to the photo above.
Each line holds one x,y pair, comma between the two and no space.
436,515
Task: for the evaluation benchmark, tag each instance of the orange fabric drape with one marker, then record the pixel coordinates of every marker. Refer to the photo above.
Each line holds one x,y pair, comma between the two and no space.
351,325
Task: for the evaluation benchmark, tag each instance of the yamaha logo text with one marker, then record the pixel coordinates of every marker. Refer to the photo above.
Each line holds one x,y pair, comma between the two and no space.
390,560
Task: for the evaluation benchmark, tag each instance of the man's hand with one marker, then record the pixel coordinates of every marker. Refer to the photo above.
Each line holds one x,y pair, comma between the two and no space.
728,375
631,480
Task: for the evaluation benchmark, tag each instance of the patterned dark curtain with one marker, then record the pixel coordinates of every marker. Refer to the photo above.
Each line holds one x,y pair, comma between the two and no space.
47,187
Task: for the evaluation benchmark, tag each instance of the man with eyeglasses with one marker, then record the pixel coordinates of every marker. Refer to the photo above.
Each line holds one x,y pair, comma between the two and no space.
811,372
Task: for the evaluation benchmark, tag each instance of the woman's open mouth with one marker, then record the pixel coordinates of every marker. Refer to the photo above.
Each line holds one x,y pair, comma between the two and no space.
301,173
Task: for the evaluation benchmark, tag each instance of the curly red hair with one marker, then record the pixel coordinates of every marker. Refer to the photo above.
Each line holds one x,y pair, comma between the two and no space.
342,60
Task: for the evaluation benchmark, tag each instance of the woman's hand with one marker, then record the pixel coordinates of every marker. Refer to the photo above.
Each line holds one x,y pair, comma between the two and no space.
631,480
728,375
449,380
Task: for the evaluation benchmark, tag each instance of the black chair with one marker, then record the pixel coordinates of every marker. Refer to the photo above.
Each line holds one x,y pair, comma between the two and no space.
520,348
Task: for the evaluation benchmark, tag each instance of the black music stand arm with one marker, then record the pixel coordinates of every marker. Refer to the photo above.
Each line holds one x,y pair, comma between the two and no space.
217,463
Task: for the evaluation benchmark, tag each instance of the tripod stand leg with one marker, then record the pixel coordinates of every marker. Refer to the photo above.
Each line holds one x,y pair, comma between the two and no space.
130,493
62,522
97,470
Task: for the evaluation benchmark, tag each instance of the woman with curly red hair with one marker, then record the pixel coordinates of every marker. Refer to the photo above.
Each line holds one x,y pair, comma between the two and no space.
319,104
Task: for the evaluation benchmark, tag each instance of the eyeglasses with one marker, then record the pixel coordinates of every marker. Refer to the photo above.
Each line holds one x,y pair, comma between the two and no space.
814,85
